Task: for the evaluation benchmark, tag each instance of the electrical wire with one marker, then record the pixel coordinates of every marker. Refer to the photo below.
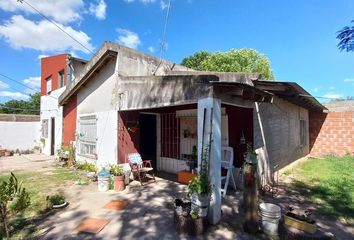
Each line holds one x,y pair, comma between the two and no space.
55,24
19,82
163,37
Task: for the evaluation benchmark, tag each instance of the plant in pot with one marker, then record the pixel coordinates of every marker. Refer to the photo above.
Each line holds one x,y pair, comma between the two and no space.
118,172
303,222
250,155
200,189
56,201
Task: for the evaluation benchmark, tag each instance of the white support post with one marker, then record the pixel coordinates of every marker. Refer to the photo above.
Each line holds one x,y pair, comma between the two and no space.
214,213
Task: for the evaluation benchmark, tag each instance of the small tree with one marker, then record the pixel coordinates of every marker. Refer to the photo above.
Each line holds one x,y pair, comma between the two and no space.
13,199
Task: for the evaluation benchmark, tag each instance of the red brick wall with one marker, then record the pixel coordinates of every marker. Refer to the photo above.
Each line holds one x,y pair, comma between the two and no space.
331,133
69,124
50,67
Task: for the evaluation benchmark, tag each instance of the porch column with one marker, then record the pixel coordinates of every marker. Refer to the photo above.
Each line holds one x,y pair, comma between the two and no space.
213,111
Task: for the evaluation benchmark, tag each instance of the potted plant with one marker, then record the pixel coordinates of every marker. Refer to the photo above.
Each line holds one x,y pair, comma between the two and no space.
300,221
118,172
56,201
200,189
250,155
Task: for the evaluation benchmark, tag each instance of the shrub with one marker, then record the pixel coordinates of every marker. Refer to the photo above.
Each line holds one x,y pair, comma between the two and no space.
13,199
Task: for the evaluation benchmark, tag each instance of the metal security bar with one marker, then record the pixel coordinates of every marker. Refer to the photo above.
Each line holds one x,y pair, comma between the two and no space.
170,140
87,135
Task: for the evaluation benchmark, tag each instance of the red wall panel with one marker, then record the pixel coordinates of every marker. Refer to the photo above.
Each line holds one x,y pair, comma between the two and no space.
50,67
69,124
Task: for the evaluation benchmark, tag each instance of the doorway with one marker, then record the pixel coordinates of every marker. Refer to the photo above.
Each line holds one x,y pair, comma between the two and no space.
52,136
148,138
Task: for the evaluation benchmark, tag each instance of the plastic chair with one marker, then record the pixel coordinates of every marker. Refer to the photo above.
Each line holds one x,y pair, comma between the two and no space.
227,166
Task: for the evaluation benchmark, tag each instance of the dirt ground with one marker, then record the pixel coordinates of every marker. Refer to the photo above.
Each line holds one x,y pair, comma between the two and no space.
149,214
26,162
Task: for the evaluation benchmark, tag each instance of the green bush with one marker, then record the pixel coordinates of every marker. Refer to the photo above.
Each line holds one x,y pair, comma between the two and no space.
88,167
56,199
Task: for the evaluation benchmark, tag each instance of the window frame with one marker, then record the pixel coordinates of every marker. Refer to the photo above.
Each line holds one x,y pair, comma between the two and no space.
49,80
61,79
303,132
45,123
87,147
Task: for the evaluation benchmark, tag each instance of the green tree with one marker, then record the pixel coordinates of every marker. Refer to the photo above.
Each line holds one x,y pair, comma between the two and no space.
242,60
32,106
346,38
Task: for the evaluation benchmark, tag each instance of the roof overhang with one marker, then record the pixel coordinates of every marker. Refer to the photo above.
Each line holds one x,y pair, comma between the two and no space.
144,92
291,92
91,68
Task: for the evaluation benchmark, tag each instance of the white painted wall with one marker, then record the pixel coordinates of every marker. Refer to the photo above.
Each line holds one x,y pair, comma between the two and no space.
106,146
96,98
50,109
19,135
213,140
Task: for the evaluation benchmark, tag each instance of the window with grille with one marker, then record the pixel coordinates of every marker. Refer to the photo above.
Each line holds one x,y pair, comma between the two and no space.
303,133
45,128
87,135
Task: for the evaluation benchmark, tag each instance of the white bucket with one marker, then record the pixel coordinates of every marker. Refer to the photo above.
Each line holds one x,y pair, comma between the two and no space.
103,183
201,203
270,215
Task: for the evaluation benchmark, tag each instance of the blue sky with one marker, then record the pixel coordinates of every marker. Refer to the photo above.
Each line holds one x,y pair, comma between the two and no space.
299,37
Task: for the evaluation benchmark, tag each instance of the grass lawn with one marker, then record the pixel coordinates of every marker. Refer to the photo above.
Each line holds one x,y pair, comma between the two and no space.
329,183
39,185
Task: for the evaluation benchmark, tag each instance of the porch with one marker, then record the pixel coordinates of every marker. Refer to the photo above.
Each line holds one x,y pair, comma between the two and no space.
175,119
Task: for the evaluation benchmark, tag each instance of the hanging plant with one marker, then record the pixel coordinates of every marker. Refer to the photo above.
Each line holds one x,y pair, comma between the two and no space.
133,129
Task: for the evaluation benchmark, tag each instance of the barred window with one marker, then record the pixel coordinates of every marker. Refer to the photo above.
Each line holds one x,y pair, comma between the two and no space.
303,133
45,128
87,135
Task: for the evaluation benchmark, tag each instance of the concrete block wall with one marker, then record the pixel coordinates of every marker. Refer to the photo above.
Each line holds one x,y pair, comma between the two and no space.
332,133
277,136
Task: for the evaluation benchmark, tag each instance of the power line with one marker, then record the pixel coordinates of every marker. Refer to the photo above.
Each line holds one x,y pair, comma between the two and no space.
331,98
11,79
55,24
16,81
163,37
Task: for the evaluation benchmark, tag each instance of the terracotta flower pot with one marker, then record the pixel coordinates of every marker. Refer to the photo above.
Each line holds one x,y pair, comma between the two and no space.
119,183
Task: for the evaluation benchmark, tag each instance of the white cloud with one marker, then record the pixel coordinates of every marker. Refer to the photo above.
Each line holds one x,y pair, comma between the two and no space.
3,85
142,1
128,38
40,56
33,82
151,49
163,4
44,36
98,10
333,95
349,80
14,95
62,11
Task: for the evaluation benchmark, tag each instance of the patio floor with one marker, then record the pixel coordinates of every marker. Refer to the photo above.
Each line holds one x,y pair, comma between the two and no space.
149,214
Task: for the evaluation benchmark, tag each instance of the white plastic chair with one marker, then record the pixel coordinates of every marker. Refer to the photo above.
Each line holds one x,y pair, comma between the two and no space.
227,163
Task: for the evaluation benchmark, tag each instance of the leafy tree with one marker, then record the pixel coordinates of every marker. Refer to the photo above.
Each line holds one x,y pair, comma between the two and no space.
242,60
13,199
32,106
346,39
